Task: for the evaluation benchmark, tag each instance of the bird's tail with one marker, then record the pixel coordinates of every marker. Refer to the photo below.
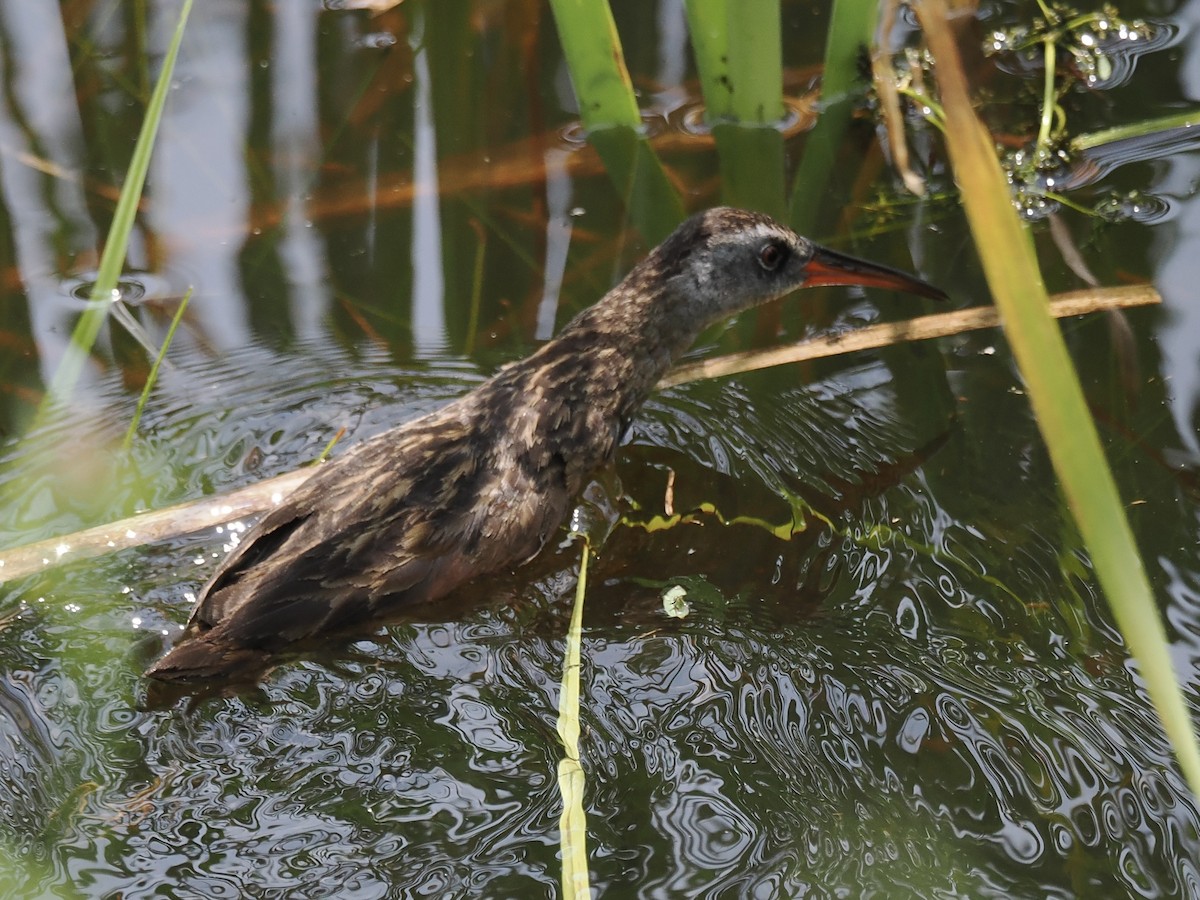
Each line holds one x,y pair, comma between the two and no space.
205,657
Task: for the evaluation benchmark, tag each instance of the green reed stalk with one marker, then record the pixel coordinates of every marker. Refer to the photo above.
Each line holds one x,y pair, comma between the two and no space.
1012,272
708,25
571,780
597,63
83,338
851,27
756,62
611,116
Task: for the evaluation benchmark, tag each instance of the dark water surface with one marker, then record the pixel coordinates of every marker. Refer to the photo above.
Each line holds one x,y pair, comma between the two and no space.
920,694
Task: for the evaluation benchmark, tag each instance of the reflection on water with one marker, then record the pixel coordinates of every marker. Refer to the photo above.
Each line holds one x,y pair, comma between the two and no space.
911,731
226,410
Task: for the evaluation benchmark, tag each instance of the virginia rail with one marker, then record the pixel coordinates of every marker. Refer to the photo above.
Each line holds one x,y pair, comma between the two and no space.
482,483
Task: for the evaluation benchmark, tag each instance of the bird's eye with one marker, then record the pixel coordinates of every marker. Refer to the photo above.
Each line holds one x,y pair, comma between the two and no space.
771,256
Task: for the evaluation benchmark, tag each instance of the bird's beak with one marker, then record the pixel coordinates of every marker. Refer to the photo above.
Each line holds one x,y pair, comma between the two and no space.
831,267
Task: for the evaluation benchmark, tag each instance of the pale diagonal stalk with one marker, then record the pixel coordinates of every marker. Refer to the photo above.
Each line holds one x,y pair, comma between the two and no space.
187,518
83,338
571,780
1054,391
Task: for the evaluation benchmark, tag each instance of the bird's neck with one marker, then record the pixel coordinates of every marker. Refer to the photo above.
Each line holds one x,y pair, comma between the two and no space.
580,390
621,347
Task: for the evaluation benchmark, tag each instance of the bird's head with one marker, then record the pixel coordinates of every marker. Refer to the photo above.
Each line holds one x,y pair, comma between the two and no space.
726,260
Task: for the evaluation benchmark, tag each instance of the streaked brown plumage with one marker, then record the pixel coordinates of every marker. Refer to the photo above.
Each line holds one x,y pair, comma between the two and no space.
485,481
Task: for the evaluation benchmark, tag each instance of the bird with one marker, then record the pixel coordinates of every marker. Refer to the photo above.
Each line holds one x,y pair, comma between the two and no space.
483,483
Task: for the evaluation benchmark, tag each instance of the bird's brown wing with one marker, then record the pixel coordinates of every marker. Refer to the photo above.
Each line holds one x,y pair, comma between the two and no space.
390,525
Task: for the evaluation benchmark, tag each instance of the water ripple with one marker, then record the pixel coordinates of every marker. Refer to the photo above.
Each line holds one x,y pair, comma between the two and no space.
947,714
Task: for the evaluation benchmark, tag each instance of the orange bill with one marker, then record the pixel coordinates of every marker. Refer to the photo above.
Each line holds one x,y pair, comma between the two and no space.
830,267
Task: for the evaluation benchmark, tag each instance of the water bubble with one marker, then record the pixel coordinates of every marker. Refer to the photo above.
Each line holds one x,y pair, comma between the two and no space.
132,288
1135,206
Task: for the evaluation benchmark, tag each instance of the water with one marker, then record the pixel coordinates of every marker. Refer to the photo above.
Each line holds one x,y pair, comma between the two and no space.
919,692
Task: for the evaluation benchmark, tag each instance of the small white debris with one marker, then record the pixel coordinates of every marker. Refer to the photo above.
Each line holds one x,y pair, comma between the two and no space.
674,604
136,621
61,550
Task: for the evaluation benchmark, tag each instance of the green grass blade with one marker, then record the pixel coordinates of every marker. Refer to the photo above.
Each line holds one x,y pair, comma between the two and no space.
611,116
652,202
708,24
739,53
153,376
1184,120
851,27
755,62
597,63
571,782
1058,402
83,338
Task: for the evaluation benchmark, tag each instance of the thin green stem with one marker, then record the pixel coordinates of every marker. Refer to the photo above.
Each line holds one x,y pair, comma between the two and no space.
571,781
1187,119
104,293
324,454
1070,204
153,376
1048,99
476,292
935,117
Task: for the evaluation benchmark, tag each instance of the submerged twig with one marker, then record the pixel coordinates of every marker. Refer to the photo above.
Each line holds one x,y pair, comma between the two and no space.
975,318
150,527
